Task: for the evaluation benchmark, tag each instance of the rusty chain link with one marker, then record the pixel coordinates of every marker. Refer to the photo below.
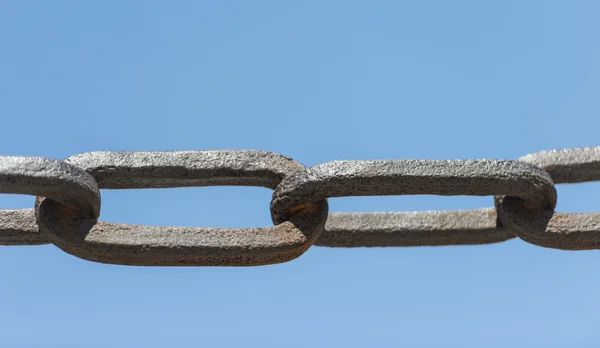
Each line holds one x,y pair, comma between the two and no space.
67,204
541,225
182,246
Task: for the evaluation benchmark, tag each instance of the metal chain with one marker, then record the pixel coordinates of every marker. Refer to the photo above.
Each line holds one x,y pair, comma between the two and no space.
67,204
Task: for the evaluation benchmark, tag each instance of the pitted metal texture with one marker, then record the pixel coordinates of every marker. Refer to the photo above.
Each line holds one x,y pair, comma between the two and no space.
567,231
67,207
59,181
75,189
142,245
415,228
19,227
402,177
164,169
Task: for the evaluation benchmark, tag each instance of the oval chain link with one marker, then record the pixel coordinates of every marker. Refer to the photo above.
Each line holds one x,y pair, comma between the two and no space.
544,227
67,207
398,177
143,245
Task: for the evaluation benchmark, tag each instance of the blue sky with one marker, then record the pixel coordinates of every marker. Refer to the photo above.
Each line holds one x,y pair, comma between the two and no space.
317,81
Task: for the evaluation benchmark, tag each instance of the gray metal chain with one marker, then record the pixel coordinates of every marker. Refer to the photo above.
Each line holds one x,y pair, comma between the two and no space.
67,204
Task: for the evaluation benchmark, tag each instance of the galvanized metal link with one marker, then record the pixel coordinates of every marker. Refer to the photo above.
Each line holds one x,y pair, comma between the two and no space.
544,227
397,177
129,244
75,189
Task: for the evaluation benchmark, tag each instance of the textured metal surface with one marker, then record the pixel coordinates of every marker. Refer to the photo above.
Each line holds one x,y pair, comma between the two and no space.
18,227
544,227
398,177
142,245
573,165
67,206
57,180
416,228
75,189
163,169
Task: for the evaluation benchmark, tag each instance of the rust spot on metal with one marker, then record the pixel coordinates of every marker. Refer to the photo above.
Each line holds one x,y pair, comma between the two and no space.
307,207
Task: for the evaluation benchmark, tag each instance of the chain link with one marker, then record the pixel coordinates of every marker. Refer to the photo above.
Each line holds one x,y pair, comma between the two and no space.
541,225
67,204
68,185
417,228
143,245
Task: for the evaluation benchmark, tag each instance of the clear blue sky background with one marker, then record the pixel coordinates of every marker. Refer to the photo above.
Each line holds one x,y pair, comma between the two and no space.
317,81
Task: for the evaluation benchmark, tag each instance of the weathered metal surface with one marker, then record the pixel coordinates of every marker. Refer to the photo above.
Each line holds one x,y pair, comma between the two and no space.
163,169
544,227
39,176
67,206
415,228
142,245
18,227
397,177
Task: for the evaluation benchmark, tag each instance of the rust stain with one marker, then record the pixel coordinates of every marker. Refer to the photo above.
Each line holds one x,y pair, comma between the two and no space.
308,207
